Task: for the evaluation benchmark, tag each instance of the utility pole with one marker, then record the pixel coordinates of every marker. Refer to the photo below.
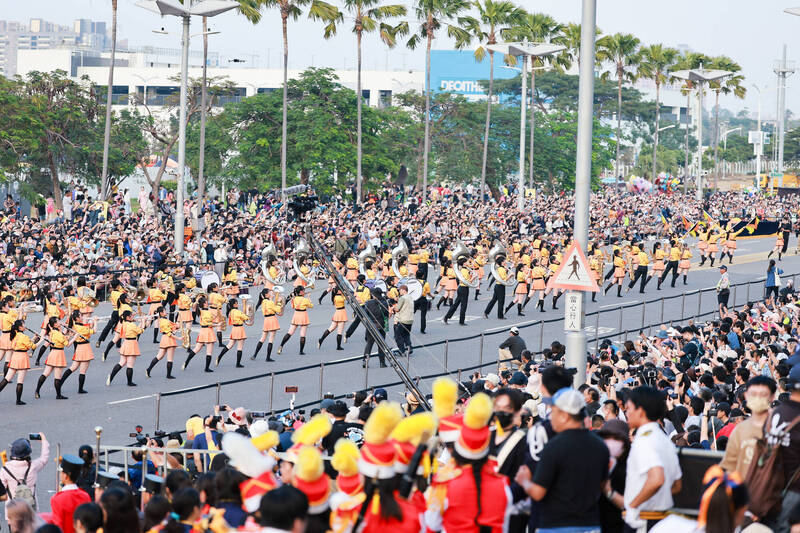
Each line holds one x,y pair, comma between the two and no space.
783,69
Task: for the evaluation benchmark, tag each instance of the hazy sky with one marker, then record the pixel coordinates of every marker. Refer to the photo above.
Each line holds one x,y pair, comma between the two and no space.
751,33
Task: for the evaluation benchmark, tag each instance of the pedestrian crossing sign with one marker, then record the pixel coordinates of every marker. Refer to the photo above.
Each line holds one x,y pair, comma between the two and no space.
574,273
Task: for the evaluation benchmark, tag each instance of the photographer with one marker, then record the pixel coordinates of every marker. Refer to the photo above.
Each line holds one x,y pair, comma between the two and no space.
20,473
210,439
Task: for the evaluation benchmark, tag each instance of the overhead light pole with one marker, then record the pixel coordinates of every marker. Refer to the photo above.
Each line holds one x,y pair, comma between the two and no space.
725,143
207,8
524,49
700,76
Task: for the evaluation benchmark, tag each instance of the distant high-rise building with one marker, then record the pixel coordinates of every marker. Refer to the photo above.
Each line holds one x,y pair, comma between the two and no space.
41,34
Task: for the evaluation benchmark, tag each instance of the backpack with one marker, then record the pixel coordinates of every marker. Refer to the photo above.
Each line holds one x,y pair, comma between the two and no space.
23,491
766,480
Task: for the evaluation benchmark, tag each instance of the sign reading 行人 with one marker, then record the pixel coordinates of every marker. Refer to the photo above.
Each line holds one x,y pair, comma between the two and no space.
573,311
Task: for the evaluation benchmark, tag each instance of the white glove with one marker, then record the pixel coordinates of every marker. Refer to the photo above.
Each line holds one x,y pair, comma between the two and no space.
632,518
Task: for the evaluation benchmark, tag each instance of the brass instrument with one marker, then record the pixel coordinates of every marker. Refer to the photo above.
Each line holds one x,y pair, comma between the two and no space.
300,252
458,252
139,296
269,253
498,251
186,335
368,253
248,309
280,300
398,252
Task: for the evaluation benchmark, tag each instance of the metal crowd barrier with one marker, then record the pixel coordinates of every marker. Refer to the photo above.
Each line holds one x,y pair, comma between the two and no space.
652,316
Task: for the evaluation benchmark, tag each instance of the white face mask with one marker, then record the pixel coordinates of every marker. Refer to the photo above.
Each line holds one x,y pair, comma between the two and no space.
757,404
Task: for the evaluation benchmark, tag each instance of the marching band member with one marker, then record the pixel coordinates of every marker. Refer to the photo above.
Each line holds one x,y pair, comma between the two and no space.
640,260
271,308
672,264
305,270
130,348
443,282
729,242
83,349
423,258
51,310
338,321
702,242
114,320
423,302
520,291
122,306
156,298
362,294
684,265
231,280
596,268
538,274
619,272
236,318
184,303
206,337
85,294
462,299
8,315
56,360
714,235
778,249
301,305
658,263
352,268
274,271
499,291
168,342
215,303
20,363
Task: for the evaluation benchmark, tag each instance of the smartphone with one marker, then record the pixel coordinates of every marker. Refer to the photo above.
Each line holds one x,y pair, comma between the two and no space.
34,436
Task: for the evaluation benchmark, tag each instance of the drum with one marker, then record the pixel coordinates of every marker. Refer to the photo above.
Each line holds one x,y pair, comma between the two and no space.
208,278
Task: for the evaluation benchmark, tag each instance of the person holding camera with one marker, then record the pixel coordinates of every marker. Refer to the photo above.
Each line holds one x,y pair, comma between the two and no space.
20,473
210,439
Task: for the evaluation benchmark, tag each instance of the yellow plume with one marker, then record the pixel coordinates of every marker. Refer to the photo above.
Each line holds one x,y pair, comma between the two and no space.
381,422
313,430
415,428
265,441
479,411
445,396
309,465
345,457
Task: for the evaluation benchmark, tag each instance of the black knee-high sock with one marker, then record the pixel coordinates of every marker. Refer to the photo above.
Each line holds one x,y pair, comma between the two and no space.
258,349
540,305
129,375
239,359
108,349
527,299
269,351
40,383
3,383
152,364
155,335
67,373
608,288
324,336
115,371
285,339
684,279
712,260
223,352
703,259
119,342
19,394
594,296
191,355
208,363
439,303
321,296
169,369
519,309
302,344
41,353
555,299
81,382
338,341
5,368
509,306
57,384
619,290
219,337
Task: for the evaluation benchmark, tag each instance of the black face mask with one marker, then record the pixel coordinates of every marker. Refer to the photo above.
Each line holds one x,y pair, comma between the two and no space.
504,419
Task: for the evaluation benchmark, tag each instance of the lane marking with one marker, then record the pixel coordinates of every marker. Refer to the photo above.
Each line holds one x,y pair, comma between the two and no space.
623,302
130,399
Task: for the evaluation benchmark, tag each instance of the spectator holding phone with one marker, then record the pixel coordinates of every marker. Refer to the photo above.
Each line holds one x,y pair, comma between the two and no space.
209,439
20,473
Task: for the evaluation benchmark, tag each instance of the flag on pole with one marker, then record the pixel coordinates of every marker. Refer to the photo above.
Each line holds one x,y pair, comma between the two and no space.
751,227
665,222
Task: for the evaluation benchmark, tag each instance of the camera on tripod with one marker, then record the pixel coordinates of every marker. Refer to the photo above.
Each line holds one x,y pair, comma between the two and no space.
141,438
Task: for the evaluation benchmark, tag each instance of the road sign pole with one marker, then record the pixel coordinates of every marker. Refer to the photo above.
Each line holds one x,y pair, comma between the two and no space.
576,340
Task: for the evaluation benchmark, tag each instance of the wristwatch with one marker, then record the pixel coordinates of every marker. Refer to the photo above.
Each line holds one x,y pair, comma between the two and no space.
610,494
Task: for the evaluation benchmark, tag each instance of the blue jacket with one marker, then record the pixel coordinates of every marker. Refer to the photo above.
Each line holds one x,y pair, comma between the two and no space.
771,276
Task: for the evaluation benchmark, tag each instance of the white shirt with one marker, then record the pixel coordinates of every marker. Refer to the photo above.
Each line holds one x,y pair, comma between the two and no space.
651,448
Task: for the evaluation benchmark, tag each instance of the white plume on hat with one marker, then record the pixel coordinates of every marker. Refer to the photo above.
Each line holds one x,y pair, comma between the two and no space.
244,456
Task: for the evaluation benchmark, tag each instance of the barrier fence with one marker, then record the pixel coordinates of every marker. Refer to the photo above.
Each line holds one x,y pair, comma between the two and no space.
696,305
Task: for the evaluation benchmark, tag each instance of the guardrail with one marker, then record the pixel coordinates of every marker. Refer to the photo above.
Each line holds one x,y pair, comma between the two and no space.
652,316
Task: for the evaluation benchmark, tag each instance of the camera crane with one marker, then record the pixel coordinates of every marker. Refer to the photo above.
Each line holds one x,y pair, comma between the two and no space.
380,342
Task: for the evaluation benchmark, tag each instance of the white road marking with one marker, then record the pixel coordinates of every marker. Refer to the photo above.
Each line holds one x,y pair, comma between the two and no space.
623,302
131,399
602,330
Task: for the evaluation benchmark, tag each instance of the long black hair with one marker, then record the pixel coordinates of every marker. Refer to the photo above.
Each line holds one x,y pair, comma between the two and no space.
184,502
386,489
477,471
16,328
262,296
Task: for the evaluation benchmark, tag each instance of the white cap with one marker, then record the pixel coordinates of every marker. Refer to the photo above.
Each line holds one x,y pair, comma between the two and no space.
568,400
514,330
494,379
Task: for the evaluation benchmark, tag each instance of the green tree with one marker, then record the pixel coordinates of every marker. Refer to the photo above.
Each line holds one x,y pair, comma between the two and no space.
495,19
368,17
622,51
731,85
317,10
656,62
127,148
435,14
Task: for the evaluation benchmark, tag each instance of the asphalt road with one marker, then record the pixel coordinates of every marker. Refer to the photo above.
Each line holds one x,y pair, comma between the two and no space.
119,408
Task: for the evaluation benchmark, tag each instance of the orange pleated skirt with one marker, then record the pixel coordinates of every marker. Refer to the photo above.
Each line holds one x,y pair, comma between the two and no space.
300,318
168,341
56,358
130,348
238,334
340,315
206,335
271,323
83,353
20,361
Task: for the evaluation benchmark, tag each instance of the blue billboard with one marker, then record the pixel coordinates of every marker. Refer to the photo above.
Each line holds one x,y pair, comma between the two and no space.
457,72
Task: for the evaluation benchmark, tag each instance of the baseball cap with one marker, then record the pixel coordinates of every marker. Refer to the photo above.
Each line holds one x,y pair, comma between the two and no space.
723,267
568,400
518,378
20,448
338,409
514,330
380,395
326,404
794,377
494,379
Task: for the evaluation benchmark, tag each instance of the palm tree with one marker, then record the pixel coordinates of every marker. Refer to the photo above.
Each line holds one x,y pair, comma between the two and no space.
368,17
572,40
249,9
317,10
622,50
730,85
687,62
495,18
657,61
537,28
435,14
109,92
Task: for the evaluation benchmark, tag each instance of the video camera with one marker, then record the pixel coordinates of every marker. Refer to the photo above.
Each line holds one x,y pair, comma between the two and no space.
142,438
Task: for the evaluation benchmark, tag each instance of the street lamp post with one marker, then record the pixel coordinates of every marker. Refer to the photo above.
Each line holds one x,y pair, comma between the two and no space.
524,49
698,76
655,147
725,144
207,8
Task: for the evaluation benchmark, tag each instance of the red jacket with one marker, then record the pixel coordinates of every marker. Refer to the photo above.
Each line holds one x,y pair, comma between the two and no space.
452,502
63,505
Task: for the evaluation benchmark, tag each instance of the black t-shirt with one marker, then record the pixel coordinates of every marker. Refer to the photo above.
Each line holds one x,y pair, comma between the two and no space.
781,417
572,468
